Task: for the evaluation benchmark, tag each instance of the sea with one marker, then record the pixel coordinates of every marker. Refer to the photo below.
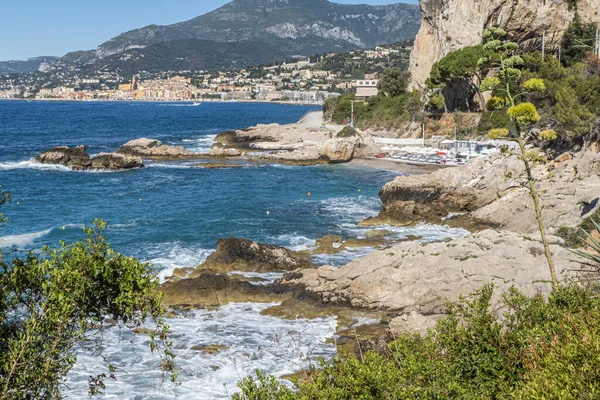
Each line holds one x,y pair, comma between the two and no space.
171,214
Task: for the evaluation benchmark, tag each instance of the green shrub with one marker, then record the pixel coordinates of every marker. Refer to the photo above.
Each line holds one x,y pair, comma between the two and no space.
541,349
577,41
437,103
347,132
393,82
493,120
458,64
573,236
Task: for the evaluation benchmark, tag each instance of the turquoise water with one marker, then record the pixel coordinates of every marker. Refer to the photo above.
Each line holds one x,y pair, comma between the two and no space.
172,214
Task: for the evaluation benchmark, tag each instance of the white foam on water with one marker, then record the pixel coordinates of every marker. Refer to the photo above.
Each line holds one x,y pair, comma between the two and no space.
255,341
358,321
31,164
269,277
22,240
342,258
281,166
173,165
178,105
293,241
199,145
352,208
170,256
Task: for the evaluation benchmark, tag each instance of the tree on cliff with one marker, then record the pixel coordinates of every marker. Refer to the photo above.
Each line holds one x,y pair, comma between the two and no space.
48,302
461,68
509,92
394,82
578,41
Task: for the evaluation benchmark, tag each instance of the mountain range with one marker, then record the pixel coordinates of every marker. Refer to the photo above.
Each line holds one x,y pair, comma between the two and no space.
26,66
250,32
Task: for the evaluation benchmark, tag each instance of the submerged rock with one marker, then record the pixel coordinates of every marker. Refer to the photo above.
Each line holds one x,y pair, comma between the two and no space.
224,152
210,349
218,165
334,244
152,148
304,305
235,254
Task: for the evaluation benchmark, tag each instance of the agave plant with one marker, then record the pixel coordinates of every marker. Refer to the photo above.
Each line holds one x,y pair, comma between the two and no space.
593,256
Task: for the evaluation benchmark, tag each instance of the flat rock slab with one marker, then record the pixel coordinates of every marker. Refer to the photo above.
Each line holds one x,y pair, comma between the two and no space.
152,148
421,277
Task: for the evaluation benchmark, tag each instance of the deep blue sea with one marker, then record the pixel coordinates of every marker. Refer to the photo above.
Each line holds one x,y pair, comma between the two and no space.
171,214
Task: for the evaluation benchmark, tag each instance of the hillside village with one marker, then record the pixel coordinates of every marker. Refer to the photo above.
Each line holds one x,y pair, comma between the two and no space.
303,80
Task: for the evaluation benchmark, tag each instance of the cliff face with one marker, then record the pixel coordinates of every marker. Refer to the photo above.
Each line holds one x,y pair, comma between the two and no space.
449,25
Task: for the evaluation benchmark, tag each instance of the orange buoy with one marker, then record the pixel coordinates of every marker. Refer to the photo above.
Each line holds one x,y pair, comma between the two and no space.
308,194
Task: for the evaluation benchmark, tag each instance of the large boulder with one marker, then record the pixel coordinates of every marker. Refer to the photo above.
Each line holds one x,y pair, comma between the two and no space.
339,150
73,157
116,161
152,148
449,25
490,192
234,254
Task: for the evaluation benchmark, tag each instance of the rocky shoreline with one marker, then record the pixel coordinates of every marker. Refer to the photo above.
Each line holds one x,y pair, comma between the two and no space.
406,285
308,142
403,284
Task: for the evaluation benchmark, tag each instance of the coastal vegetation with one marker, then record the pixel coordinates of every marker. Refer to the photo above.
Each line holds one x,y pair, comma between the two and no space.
51,300
391,108
568,103
541,348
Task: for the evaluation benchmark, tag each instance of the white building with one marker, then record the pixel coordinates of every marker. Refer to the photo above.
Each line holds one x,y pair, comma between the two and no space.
366,88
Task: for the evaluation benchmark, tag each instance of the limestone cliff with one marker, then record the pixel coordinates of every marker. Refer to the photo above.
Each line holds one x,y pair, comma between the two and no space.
449,25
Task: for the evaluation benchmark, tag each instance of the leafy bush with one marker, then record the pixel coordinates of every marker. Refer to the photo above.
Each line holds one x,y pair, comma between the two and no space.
394,82
347,132
578,40
437,103
541,349
47,302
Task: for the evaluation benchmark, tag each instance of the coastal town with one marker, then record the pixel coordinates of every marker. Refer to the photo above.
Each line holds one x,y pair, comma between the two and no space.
300,80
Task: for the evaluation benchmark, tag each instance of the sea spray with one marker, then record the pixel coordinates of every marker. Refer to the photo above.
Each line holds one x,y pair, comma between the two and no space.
276,346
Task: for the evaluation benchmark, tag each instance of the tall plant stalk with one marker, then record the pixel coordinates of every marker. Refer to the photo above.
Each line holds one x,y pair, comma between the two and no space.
521,115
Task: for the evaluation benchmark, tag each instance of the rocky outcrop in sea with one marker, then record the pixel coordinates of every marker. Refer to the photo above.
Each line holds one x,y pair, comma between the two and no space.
296,144
77,158
152,148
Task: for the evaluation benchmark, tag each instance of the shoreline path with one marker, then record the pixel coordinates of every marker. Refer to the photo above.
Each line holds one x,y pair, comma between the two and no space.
314,119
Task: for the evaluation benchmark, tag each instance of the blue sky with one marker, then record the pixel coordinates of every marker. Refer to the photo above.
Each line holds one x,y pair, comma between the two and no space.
31,28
